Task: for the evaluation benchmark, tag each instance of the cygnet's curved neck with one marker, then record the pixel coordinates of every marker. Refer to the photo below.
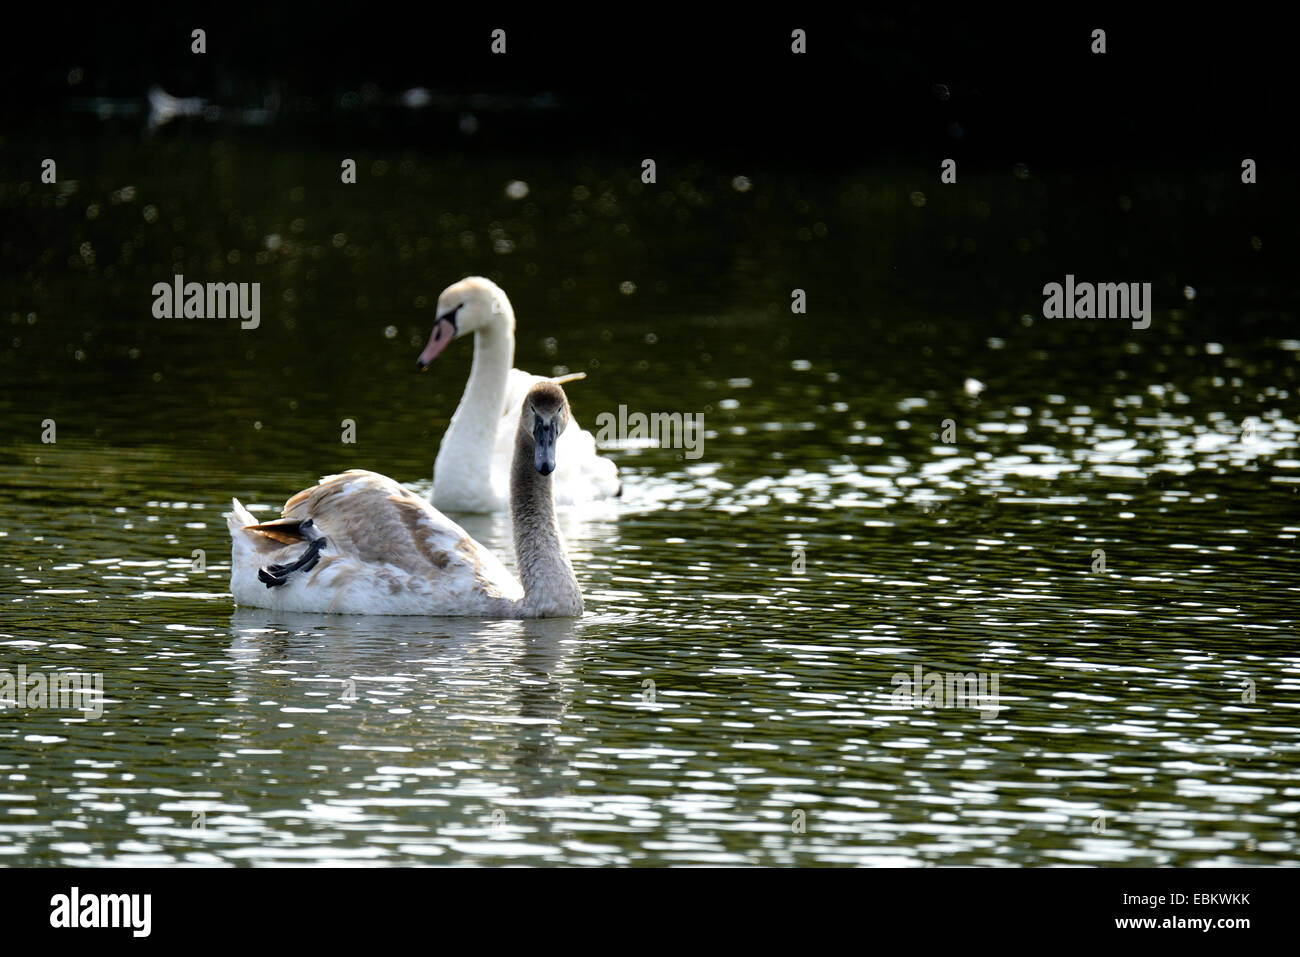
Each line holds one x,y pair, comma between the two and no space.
550,587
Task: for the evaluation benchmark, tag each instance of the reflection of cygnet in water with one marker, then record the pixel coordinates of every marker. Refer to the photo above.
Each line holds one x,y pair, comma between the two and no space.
408,661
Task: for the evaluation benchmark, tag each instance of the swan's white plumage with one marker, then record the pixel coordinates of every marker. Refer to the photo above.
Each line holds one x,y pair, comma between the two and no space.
581,474
472,470
389,552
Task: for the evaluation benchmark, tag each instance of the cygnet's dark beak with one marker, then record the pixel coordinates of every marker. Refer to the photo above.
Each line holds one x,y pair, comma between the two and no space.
544,438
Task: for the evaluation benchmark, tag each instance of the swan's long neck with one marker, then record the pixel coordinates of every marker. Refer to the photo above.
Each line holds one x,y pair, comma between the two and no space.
471,436
550,587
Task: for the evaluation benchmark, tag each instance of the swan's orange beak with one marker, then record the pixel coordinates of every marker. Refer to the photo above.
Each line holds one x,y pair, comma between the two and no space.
444,330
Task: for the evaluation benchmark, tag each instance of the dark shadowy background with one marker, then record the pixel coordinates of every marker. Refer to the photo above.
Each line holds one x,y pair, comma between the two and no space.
995,87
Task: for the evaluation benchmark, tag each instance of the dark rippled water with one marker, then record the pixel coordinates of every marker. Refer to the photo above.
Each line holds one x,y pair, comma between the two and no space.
1110,530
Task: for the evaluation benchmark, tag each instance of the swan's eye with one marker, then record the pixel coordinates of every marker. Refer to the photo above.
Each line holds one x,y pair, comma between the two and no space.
450,316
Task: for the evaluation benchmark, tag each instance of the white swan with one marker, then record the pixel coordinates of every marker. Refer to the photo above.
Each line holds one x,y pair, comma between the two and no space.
471,473
360,543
